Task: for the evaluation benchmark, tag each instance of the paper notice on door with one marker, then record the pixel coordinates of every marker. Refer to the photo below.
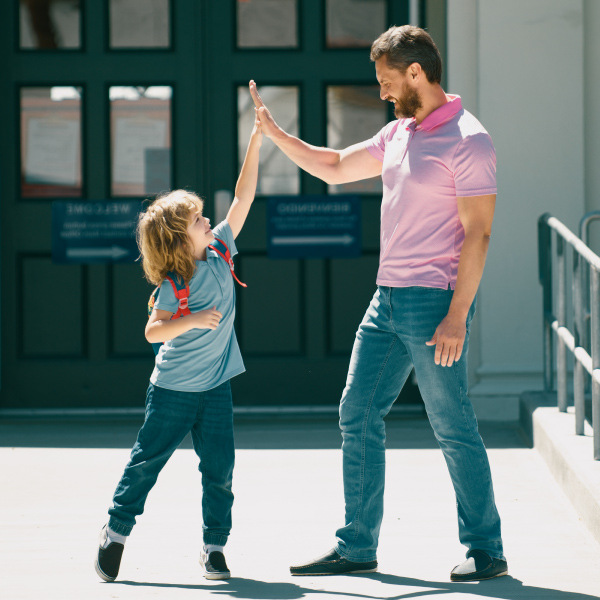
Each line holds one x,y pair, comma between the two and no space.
133,136
52,151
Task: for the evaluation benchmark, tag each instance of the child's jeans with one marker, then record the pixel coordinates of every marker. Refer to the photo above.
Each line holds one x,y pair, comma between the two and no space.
170,415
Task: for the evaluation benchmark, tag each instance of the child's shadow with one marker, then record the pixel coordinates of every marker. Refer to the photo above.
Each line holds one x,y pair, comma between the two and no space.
502,588
237,587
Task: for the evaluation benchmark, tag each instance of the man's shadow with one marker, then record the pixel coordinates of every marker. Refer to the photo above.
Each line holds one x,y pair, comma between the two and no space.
502,588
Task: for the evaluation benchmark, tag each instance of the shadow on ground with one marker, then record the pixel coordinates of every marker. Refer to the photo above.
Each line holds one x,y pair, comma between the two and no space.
503,588
267,433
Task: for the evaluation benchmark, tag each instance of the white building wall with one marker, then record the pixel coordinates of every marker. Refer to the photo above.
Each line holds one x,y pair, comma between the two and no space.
592,114
519,65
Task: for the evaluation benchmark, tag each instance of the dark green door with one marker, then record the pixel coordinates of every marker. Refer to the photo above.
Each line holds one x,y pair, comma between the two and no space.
124,108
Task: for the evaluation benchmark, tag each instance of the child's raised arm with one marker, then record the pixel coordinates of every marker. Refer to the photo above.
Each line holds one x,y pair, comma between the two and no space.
246,183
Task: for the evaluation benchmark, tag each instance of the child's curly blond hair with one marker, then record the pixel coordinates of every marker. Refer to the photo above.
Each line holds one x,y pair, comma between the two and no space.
162,236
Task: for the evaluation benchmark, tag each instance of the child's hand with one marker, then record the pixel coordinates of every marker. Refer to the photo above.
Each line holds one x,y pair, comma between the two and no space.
206,319
256,130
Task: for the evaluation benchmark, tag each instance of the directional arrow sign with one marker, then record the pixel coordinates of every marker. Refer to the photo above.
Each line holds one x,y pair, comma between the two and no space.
94,231
317,239
112,253
314,227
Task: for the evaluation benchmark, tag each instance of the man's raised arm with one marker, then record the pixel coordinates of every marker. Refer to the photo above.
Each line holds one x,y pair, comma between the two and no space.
332,166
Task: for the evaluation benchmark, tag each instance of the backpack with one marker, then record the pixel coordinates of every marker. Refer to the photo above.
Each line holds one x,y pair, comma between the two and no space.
182,289
182,293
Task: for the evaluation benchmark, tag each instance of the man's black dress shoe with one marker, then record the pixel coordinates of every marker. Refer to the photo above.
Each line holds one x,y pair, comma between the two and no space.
479,565
333,564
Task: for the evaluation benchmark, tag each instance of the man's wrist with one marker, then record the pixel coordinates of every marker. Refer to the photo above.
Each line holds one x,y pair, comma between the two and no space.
458,312
279,135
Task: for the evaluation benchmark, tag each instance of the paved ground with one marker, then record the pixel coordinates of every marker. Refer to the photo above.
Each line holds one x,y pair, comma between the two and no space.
57,479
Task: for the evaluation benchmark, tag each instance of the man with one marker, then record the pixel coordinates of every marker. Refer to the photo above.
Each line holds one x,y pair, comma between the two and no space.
438,165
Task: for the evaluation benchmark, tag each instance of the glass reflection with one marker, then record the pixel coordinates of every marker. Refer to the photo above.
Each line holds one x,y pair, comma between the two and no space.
49,24
50,142
276,173
355,23
354,114
267,24
139,24
140,126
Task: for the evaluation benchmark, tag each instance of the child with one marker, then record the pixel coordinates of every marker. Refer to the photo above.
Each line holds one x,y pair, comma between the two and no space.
189,388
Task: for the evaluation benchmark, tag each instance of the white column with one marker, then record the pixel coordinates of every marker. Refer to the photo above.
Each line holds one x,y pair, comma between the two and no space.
592,115
414,13
522,64
462,63
462,66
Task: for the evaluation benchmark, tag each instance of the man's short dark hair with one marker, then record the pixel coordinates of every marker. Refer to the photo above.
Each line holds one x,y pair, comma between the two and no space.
403,46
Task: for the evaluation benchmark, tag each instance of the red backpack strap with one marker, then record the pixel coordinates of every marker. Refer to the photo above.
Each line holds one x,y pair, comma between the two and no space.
182,293
226,256
152,300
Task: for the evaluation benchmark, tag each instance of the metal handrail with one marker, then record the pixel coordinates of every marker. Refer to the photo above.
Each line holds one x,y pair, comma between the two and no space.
566,339
584,232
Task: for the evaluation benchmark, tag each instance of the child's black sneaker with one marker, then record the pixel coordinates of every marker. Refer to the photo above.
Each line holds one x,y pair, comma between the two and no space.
214,565
108,560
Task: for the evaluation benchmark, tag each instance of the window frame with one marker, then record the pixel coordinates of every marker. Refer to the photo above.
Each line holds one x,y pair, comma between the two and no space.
77,50
19,146
299,47
388,18
132,49
108,134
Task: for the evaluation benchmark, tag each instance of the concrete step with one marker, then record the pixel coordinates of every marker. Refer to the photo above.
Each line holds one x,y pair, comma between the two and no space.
568,456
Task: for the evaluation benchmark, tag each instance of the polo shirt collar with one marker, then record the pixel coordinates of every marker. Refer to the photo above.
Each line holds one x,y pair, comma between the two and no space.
440,115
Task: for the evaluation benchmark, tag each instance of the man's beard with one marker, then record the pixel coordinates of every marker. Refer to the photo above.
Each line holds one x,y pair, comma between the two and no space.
408,104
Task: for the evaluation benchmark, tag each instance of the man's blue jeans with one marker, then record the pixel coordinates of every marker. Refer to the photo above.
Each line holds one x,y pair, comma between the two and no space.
170,415
389,341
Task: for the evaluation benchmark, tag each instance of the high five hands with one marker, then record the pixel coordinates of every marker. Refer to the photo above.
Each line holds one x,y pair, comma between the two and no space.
267,123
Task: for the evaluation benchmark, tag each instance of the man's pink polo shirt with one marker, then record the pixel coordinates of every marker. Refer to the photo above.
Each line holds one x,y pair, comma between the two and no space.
425,168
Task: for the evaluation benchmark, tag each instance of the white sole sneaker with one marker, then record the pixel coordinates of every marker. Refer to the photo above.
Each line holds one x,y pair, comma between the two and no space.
214,566
108,557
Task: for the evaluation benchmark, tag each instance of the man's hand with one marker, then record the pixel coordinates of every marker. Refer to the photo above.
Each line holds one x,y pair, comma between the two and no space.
267,123
448,339
332,166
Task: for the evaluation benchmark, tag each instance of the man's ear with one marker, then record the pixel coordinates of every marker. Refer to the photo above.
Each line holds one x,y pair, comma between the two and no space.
415,72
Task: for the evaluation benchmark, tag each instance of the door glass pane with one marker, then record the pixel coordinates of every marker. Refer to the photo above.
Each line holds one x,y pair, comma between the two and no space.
50,142
140,24
354,114
277,174
140,127
267,24
49,24
355,23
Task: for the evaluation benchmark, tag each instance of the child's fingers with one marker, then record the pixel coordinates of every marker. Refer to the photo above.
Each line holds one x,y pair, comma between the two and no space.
213,323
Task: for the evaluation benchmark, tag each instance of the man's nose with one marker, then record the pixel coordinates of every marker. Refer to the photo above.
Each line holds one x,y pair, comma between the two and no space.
382,93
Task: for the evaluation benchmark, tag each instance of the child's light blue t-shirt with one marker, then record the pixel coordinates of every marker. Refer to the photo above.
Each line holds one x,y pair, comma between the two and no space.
202,359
